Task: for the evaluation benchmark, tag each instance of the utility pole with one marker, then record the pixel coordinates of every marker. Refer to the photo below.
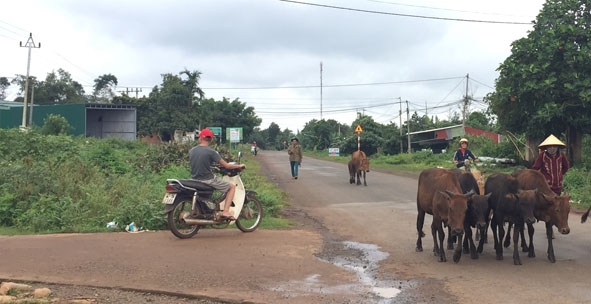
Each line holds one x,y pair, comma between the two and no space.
31,110
29,44
137,90
466,99
408,125
320,90
400,117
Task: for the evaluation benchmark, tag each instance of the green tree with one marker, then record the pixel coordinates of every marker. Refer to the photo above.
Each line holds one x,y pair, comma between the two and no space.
55,124
479,120
273,134
57,88
227,113
104,87
544,86
170,108
4,84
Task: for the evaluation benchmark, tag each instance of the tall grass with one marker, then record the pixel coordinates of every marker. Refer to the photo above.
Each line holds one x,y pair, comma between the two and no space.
63,184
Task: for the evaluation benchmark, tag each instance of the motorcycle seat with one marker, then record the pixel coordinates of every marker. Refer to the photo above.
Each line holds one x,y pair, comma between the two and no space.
195,185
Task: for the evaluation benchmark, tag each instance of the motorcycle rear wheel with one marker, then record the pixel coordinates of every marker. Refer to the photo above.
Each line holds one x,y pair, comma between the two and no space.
177,225
251,215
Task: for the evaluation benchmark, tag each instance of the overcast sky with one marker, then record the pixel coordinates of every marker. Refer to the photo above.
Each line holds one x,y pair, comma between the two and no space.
268,53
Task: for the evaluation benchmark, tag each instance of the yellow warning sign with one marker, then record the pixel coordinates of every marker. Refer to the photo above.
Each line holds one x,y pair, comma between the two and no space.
358,129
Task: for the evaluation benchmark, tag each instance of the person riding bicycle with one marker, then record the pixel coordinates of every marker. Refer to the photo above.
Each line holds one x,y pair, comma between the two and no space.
201,157
463,154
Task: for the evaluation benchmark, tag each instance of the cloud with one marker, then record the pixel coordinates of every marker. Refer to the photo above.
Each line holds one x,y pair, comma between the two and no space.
242,46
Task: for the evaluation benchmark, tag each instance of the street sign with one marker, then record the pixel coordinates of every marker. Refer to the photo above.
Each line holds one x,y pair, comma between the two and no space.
358,129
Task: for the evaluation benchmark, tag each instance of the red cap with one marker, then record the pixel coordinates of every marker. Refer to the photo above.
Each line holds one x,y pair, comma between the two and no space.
205,133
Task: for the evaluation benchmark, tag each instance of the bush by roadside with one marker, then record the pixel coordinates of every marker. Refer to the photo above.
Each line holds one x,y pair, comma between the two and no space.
57,183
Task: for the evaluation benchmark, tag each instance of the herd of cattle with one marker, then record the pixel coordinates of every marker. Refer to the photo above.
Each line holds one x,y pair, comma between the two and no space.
453,198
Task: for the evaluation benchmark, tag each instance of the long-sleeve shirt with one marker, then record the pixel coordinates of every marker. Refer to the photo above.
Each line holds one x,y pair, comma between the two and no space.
461,155
295,153
553,167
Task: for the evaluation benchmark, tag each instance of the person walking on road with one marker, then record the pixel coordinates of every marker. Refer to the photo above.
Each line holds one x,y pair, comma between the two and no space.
295,157
552,163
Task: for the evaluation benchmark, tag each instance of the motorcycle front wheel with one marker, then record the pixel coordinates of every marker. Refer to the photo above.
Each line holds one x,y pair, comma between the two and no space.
177,224
251,215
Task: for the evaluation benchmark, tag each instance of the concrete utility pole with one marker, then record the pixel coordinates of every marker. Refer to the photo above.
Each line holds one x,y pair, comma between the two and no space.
400,117
320,90
466,99
31,45
408,125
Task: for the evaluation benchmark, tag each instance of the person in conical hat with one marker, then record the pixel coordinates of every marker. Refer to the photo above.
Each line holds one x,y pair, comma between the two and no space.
552,163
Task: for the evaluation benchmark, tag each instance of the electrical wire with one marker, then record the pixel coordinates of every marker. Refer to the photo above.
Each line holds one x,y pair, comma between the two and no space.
406,15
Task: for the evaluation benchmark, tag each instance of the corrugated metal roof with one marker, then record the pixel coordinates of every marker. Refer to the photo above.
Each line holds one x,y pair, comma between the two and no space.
10,104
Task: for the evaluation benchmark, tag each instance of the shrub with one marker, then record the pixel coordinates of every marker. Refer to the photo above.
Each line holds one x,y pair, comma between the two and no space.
577,183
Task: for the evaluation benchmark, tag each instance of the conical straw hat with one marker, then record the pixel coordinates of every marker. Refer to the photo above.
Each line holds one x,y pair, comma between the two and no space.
552,141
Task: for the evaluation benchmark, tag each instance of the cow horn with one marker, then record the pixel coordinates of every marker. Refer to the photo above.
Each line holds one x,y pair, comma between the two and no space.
450,193
470,193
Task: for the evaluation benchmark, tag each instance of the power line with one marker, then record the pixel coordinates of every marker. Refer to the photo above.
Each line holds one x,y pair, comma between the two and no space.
406,15
332,86
444,9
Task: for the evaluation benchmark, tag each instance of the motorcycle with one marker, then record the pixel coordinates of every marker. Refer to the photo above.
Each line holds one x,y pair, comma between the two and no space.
190,205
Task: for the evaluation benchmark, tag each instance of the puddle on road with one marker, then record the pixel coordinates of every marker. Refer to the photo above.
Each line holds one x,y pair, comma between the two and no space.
361,259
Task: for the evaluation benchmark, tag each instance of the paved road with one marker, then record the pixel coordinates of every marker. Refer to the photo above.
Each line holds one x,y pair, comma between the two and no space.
354,244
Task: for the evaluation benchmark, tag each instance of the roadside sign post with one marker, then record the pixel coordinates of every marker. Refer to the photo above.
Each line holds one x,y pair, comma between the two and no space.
358,130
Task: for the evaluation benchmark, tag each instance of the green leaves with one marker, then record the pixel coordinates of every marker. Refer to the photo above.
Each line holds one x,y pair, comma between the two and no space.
547,74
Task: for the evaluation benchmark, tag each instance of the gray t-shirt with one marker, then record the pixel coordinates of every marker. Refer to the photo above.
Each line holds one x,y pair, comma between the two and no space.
201,158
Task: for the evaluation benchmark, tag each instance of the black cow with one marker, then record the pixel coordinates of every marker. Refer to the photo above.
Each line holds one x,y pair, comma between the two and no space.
511,205
476,216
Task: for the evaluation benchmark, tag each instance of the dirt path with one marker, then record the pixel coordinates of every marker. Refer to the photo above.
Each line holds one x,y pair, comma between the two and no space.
353,244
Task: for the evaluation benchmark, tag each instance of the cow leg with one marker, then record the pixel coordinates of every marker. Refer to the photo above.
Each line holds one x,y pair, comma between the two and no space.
465,243
516,233
436,249
451,239
551,256
495,230
507,242
469,244
482,239
420,222
358,178
364,181
458,251
530,249
439,230
501,232
530,232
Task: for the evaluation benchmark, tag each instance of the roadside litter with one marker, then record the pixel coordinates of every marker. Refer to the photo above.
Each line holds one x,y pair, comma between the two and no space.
132,228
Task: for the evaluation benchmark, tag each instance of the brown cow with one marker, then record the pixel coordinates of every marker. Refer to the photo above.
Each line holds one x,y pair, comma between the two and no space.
551,208
439,194
358,165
